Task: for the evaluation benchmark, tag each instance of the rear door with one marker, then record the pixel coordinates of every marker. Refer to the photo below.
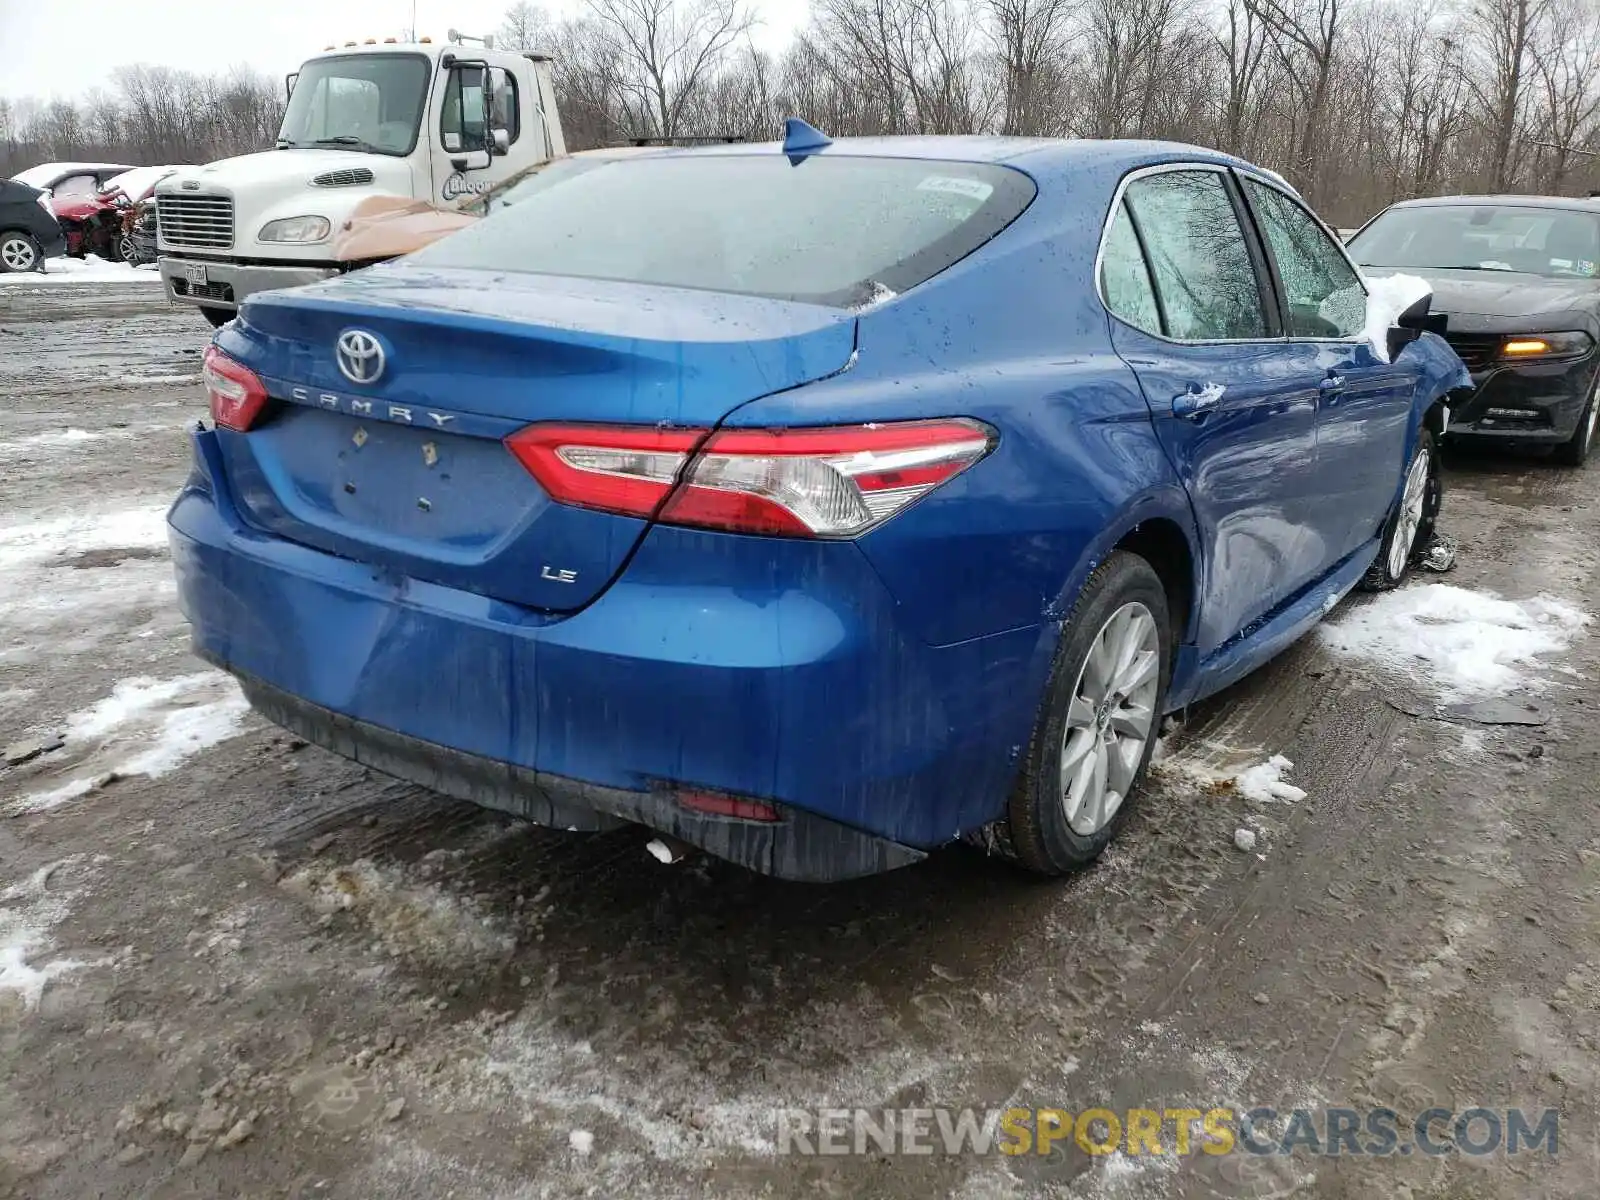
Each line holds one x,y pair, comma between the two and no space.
1193,317
1363,403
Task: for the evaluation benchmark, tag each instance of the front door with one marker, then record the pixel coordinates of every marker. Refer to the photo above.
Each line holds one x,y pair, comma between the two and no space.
1363,403
1188,291
464,117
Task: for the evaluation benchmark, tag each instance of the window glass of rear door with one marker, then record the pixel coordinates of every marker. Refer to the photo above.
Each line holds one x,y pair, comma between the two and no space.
1198,256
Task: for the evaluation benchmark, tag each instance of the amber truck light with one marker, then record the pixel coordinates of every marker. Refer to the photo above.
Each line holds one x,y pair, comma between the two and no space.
837,481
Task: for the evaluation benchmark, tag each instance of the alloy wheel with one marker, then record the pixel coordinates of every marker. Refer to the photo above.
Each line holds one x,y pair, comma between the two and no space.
18,254
1110,718
1412,503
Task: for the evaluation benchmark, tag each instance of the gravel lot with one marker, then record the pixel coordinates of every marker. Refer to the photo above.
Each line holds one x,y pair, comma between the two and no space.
232,965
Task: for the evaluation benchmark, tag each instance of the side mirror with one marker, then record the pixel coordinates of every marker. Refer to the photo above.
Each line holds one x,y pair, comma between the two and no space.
499,142
288,85
1411,324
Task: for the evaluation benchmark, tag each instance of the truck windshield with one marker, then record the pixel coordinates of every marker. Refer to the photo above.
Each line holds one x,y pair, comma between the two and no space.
370,102
834,230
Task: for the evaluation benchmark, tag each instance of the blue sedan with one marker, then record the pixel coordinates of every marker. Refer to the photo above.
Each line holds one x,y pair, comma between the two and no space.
814,504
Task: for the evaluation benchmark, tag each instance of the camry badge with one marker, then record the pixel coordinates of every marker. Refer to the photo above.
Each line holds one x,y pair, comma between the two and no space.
359,355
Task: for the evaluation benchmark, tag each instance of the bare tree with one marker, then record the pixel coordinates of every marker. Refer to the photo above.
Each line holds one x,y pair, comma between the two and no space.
665,52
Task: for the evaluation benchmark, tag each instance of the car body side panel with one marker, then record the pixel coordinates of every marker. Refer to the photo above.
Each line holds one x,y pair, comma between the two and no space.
1249,463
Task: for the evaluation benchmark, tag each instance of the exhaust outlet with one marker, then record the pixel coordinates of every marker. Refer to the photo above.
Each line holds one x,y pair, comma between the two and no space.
668,850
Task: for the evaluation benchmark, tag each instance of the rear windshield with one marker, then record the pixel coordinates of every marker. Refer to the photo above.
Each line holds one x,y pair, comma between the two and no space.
840,231
1483,237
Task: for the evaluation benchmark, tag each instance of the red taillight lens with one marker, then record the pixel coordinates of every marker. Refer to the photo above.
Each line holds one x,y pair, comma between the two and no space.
237,393
829,482
716,804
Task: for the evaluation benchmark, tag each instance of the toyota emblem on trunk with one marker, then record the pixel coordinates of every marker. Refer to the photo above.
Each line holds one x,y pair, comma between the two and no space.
360,356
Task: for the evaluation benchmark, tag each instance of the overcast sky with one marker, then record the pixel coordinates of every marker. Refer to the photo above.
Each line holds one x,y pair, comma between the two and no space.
64,47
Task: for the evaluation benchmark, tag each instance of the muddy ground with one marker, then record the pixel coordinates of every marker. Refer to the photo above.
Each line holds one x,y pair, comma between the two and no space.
242,967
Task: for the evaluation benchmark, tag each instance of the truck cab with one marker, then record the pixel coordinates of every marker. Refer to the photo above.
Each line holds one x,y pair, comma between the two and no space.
431,123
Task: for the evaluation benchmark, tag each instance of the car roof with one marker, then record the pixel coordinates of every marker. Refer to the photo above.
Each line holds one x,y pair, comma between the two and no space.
1580,204
1040,157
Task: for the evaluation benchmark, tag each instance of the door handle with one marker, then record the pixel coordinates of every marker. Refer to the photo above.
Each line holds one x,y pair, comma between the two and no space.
1196,402
1333,383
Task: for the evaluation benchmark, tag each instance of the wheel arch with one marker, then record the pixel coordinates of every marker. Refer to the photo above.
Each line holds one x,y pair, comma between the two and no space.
1159,527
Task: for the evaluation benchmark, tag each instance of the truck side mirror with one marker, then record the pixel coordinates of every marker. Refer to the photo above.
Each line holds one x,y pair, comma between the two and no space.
500,142
288,85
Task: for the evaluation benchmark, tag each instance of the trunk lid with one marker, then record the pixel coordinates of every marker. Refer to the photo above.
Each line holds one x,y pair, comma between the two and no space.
408,472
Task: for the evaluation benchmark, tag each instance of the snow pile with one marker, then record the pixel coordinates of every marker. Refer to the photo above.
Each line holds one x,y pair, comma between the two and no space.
1387,298
28,911
1264,783
82,270
1464,644
146,727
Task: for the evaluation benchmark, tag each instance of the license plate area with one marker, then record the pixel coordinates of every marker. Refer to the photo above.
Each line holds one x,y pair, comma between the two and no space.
195,272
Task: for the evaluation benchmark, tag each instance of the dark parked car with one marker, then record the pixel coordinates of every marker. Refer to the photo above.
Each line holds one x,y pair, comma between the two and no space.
29,231
1518,278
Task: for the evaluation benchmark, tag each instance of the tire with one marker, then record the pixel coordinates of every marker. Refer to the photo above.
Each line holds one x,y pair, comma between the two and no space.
1410,526
217,316
20,253
126,252
1044,831
1575,451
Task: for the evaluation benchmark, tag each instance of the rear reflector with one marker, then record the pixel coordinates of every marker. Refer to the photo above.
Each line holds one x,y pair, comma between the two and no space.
818,482
237,393
715,804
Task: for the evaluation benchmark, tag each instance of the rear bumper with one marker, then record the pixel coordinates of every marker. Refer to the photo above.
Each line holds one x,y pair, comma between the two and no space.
801,690
1535,403
228,284
800,846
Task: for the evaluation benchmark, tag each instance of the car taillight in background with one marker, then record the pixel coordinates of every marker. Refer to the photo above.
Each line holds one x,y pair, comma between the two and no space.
836,481
237,393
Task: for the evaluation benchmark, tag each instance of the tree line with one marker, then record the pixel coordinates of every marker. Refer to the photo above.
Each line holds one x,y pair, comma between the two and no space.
1357,102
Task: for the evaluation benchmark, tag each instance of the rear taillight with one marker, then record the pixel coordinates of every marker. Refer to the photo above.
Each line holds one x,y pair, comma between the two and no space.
237,393
830,482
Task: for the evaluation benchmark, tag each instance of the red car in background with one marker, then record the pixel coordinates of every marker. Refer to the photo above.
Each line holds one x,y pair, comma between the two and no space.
99,223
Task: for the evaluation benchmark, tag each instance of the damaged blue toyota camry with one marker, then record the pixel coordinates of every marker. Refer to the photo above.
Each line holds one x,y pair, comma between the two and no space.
815,504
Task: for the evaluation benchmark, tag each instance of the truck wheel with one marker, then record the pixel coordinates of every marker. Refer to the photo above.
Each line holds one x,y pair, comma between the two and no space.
1409,529
1097,725
19,253
217,316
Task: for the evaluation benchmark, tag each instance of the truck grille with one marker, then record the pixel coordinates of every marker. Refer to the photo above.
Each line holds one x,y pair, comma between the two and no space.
204,221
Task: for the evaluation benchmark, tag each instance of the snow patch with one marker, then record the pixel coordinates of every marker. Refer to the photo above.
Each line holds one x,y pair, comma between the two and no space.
86,270
1387,297
1264,783
54,604
1462,643
28,911
147,727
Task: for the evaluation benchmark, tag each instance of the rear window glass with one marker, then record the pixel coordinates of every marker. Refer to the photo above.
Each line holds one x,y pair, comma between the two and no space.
840,231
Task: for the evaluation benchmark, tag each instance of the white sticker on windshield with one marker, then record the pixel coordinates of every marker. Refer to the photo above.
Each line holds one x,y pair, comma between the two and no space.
975,189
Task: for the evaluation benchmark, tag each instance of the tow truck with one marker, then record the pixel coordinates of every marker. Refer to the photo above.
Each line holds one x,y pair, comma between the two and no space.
369,126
